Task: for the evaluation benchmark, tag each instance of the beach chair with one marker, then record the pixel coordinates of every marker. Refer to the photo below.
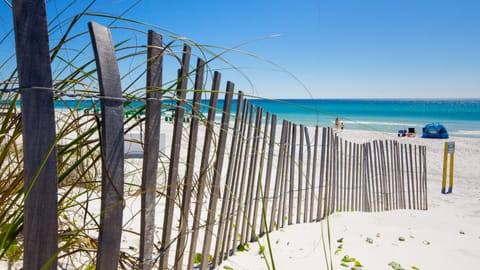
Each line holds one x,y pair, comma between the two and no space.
411,132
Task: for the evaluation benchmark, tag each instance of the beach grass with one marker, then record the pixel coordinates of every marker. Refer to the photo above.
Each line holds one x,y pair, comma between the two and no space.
77,141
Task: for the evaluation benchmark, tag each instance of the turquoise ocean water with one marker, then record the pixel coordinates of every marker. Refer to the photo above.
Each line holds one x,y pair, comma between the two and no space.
461,117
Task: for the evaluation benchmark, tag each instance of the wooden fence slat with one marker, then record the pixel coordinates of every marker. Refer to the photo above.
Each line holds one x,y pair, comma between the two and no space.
425,190
266,193
309,211
235,201
416,179
38,119
112,148
291,181
259,195
322,171
278,177
370,202
282,215
251,175
376,167
409,173
333,173
354,180
344,176
217,173
242,200
239,184
327,166
383,175
398,186
401,179
391,187
403,159
152,141
192,149
300,174
349,205
172,180
389,164
204,164
314,177
229,195
336,174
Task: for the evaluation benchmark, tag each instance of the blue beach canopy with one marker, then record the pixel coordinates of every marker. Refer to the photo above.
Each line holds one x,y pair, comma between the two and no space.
435,130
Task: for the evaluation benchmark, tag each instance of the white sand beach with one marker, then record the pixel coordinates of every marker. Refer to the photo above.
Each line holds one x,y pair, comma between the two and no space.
446,236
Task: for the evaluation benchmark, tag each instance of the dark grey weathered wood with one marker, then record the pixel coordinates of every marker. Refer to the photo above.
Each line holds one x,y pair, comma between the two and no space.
292,174
38,119
278,177
300,175
321,180
172,180
350,189
268,175
188,181
424,175
221,246
314,177
251,174
112,148
152,141
308,208
239,183
242,210
282,215
260,194
204,166
328,160
217,173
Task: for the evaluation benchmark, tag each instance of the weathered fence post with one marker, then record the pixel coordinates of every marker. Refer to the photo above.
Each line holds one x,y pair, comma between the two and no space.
291,181
204,163
188,182
278,177
150,157
238,187
111,146
308,213
215,191
229,195
260,195
172,180
251,176
240,208
268,176
38,119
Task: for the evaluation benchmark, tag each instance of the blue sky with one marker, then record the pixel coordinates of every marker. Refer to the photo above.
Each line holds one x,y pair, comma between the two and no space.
329,48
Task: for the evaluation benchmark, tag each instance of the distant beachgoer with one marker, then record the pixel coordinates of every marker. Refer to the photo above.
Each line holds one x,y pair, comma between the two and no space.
342,126
336,123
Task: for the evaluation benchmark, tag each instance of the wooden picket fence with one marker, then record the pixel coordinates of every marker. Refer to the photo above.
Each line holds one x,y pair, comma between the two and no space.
260,180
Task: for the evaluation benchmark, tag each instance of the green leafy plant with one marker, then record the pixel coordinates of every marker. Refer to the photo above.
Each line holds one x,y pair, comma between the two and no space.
396,266
243,247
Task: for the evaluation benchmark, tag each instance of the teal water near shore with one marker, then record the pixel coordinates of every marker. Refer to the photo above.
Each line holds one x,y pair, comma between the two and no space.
461,117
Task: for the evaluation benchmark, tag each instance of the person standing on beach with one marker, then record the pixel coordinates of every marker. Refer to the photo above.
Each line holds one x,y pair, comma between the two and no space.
342,126
336,123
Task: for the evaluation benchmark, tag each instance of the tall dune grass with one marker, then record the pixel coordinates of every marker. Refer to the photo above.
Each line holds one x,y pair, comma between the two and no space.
79,158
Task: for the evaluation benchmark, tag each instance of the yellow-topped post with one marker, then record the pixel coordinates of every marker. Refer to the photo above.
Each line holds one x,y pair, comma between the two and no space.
449,149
